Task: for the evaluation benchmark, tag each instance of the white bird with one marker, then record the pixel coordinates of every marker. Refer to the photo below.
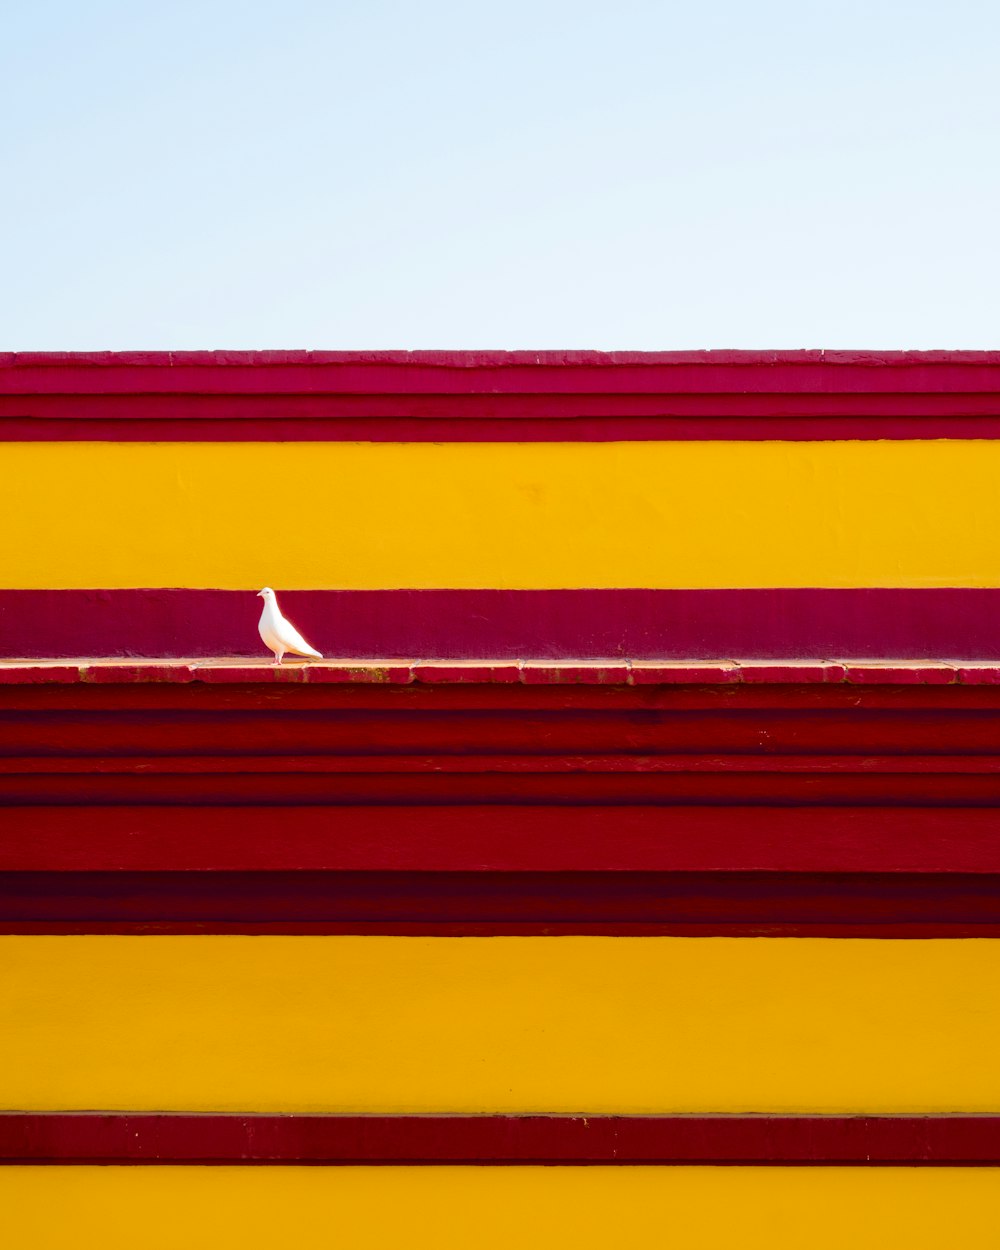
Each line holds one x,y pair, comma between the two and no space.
277,633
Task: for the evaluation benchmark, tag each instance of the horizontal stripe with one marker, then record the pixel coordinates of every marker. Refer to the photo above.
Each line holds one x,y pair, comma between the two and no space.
868,1141
463,372
462,396
50,783
640,731
582,1024
697,904
808,700
161,419
493,1208
679,626
501,838
369,516
611,672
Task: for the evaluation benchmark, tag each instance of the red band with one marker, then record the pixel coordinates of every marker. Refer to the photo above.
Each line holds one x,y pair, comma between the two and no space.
323,1139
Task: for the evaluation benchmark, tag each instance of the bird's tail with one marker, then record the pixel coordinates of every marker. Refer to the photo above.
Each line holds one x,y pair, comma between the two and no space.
316,655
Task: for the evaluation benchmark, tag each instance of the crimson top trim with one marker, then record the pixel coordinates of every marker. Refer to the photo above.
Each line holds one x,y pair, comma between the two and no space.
498,396
34,372
494,359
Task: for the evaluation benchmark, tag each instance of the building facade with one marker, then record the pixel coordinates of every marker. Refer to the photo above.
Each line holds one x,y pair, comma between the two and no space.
627,871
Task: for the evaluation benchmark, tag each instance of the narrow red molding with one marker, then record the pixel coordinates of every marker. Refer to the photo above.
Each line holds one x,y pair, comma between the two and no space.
145,419
724,903
499,838
869,1141
499,395
302,781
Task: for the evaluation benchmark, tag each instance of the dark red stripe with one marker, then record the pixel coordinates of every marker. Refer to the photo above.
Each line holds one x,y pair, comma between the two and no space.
704,687
709,904
446,786
778,624
496,395
172,420
30,1138
502,839
463,372
110,727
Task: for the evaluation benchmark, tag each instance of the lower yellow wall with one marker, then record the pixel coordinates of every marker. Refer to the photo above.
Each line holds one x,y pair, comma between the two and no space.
165,1208
404,1024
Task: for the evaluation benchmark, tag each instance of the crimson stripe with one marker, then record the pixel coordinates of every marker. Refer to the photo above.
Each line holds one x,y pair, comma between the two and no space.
317,727
779,624
452,787
500,838
710,904
32,1138
496,395
156,687
565,767
465,372
153,419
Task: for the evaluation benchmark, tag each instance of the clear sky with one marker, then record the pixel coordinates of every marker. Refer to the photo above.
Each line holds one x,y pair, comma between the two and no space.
526,174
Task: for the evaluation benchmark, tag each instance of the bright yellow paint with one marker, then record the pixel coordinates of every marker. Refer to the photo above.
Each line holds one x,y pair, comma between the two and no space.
393,1024
222,1208
369,515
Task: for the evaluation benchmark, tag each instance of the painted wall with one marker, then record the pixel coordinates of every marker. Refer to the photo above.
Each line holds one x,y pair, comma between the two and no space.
460,921
711,505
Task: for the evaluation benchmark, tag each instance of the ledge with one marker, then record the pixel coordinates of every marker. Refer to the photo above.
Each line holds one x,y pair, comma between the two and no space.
603,672
498,395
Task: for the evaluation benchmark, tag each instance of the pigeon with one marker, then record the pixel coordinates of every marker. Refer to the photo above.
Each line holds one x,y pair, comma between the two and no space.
277,633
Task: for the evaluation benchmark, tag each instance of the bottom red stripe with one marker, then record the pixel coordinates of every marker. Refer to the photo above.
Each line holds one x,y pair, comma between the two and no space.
702,903
321,1139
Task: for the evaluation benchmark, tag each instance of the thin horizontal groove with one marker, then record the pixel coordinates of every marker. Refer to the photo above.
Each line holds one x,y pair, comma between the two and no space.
459,788
889,631
870,1141
469,372
135,693
494,419
721,904
543,765
392,730
499,838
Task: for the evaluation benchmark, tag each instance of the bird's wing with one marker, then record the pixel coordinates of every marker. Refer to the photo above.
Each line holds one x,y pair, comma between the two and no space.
287,634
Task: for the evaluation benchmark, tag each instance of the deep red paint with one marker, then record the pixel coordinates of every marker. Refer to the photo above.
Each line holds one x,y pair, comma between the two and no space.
140,785
127,427
463,798
505,626
389,730
370,694
491,395
711,904
870,1141
502,838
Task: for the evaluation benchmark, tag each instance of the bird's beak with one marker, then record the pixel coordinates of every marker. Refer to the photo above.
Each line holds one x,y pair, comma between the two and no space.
259,594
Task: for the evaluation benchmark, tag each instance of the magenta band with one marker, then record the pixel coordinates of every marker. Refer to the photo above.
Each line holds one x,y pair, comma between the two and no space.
778,624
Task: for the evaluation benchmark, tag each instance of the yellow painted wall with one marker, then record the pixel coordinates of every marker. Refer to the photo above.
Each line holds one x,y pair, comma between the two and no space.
369,515
389,1024
221,1208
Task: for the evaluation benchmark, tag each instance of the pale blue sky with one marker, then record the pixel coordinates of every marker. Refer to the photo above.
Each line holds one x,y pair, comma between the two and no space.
519,175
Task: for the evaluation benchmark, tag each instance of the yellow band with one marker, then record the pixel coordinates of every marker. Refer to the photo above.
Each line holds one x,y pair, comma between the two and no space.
586,1208
529,516
401,1024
